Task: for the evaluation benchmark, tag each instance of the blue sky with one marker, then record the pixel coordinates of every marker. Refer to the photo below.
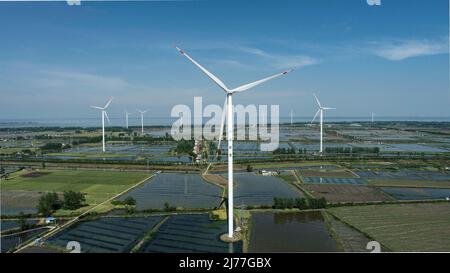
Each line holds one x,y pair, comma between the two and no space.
56,60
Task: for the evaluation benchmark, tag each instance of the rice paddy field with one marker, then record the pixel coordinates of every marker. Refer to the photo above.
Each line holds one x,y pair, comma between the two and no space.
15,202
106,235
405,174
402,227
330,180
417,193
349,239
190,233
97,186
330,173
410,183
257,190
178,190
347,193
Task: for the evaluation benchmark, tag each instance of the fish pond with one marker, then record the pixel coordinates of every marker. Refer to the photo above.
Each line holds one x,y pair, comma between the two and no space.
194,233
290,232
106,235
257,190
401,193
178,190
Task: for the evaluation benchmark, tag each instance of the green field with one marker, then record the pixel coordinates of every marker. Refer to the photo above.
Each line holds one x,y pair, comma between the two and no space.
97,185
405,227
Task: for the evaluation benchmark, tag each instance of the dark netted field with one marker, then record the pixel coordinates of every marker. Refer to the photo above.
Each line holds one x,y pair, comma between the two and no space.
106,235
190,233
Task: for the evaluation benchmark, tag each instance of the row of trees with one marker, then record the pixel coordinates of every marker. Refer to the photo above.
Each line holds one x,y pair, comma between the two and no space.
55,146
299,203
50,202
352,150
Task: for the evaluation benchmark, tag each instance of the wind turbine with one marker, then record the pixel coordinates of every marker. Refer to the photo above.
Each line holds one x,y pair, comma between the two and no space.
126,118
291,117
104,115
142,120
373,117
228,111
320,110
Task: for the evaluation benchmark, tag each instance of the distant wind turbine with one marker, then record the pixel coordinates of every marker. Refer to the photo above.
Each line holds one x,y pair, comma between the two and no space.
292,117
373,117
142,120
126,118
320,110
104,115
228,111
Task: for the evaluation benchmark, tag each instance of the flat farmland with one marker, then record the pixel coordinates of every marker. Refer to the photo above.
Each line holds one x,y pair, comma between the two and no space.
327,173
410,183
14,202
333,180
402,227
97,185
417,193
346,193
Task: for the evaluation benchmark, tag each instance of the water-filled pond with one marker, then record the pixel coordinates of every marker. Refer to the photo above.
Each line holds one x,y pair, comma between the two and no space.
179,190
400,193
290,232
257,190
333,180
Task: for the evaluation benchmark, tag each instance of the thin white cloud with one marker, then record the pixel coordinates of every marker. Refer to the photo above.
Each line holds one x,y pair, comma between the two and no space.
401,50
59,78
281,61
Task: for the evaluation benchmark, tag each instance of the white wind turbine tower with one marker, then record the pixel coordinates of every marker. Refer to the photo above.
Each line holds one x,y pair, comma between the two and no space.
373,117
142,120
321,109
228,110
292,113
126,118
104,115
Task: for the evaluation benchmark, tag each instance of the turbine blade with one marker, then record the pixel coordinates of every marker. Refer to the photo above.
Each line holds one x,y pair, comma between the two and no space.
209,74
97,107
328,108
107,118
318,111
253,84
222,122
318,102
109,102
